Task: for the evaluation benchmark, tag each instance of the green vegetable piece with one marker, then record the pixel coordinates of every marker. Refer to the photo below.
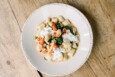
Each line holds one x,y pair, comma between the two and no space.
58,26
36,37
48,25
50,40
45,43
53,38
70,28
71,43
59,40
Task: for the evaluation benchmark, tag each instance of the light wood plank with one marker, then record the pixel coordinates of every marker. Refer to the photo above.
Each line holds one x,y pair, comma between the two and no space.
12,60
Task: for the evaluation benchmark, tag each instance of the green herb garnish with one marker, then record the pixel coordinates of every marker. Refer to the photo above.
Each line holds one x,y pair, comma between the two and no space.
48,25
71,43
45,43
58,26
53,38
50,41
59,40
69,28
36,37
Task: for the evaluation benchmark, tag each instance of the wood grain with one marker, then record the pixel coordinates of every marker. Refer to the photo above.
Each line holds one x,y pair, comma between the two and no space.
101,15
12,60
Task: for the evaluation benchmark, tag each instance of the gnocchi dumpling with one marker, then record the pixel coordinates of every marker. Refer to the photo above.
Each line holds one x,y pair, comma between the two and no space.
74,45
67,44
66,22
49,23
58,33
48,56
47,37
39,47
71,53
68,49
37,34
53,41
48,20
74,30
65,56
54,19
60,58
61,19
41,26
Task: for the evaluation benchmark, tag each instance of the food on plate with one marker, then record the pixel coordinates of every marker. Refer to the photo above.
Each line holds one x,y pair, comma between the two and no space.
57,39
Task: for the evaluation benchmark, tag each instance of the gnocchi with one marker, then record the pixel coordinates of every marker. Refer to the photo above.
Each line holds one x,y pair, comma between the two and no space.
54,19
66,22
61,19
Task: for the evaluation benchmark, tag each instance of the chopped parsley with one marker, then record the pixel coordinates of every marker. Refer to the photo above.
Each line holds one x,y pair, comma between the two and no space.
36,37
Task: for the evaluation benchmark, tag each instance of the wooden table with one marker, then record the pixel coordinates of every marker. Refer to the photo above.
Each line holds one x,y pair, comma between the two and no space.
101,15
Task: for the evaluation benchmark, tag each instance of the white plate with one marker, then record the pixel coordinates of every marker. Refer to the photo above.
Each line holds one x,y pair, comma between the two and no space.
85,45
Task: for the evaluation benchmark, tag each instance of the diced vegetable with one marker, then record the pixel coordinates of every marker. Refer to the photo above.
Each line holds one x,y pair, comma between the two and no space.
49,45
51,52
40,50
64,30
69,28
54,26
41,41
36,37
44,50
54,45
43,46
54,34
